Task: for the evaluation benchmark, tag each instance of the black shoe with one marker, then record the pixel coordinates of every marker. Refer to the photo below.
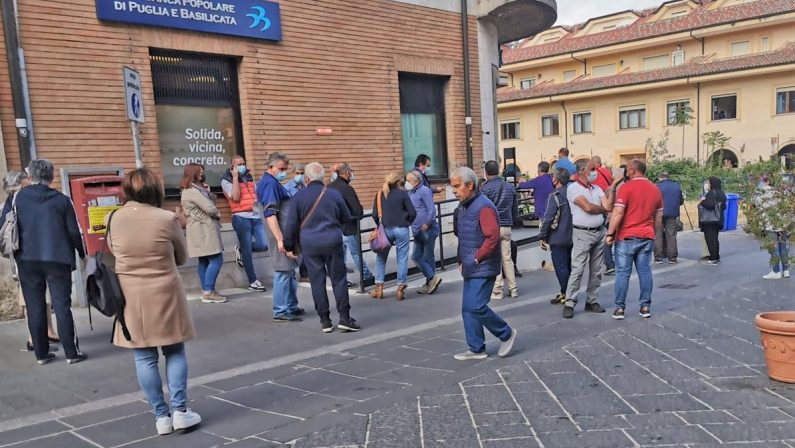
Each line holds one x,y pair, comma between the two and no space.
299,312
713,262
369,281
658,261
349,325
53,340
568,312
352,285
29,348
79,358
618,314
594,308
287,318
47,358
326,325
645,312
517,273
672,261
559,299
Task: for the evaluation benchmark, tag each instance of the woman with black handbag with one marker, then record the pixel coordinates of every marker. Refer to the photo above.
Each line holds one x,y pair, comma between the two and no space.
710,217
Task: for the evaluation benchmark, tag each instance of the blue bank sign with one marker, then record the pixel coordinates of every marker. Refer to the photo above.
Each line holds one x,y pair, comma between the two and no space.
257,19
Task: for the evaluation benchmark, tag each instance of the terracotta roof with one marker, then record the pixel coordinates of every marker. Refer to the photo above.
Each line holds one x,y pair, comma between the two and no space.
700,17
700,66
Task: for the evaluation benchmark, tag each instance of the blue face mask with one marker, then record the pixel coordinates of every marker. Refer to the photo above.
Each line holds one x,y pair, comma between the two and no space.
299,178
281,176
334,176
592,176
242,169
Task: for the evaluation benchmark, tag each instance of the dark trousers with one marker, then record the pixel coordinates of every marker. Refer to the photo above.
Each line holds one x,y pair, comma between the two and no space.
333,265
34,278
711,237
561,259
665,241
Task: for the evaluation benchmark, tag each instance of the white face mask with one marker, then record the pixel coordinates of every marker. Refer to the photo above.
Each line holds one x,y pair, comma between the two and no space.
706,186
409,186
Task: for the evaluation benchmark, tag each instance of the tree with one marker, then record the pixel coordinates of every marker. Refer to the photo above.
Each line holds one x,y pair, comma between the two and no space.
681,118
716,141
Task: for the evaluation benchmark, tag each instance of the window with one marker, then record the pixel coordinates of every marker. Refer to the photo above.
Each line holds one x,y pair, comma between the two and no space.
569,75
632,117
672,107
724,107
765,44
582,122
603,70
527,83
741,48
654,62
678,57
678,13
785,100
422,121
550,125
509,130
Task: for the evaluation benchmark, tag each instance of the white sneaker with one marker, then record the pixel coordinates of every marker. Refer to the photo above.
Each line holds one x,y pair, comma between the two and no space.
164,425
773,275
257,286
470,356
185,419
495,296
507,346
786,273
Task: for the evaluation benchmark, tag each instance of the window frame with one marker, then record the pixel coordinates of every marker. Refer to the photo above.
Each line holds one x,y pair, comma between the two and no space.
712,105
668,103
443,165
563,78
574,117
789,95
517,129
614,65
641,109
674,56
732,46
555,129
531,80
659,57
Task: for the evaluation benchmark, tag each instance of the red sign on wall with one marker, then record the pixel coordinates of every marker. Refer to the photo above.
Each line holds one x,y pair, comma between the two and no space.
325,131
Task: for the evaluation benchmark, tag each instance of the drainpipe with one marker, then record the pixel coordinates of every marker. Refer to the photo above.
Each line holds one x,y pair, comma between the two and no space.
19,91
565,124
467,76
584,64
698,122
700,40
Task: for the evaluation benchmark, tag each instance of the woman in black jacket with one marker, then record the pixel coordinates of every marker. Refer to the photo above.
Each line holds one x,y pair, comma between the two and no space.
711,218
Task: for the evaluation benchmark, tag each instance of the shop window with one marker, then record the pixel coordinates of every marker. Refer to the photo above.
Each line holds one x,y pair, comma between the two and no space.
527,83
785,100
198,113
550,125
509,130
724,107
672,107
582,122
422,121
632,117
741,48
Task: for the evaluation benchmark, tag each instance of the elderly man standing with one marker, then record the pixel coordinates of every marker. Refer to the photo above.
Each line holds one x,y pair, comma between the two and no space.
48,238
589,205
314,225
274,199
478,231
503,196
665,244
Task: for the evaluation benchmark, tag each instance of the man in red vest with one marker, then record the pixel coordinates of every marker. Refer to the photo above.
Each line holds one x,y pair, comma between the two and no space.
241,192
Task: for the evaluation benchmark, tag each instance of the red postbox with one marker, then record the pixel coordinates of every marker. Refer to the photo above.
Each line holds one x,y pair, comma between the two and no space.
94,198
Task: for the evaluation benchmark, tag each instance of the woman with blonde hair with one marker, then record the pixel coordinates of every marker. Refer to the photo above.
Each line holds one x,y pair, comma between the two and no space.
393,208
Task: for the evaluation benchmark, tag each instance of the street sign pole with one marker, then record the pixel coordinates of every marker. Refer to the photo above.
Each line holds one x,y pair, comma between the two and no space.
139,162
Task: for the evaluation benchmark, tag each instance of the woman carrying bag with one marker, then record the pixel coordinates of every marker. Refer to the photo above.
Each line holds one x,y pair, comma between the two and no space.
711,218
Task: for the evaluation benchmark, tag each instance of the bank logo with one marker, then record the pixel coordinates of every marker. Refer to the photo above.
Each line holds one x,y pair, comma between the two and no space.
260,18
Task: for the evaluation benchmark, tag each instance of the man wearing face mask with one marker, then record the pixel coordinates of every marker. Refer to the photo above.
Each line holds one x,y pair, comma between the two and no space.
421,166
274,199
295,184
240,191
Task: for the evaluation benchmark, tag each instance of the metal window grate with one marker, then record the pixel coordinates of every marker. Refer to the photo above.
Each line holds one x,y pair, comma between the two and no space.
194,79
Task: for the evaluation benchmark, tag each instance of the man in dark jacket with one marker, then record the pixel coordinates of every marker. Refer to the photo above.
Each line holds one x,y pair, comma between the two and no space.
542,187
421,165
342,184
48,238
665,245
478,231
556,232
314,223
503,196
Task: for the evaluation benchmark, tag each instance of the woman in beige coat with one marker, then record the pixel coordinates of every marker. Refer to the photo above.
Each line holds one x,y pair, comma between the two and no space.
148,245
203,230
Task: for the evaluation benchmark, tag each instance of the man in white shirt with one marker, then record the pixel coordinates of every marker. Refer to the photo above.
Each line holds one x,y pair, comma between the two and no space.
589,206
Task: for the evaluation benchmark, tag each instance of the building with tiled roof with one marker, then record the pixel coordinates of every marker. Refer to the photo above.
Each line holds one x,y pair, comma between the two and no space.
607,86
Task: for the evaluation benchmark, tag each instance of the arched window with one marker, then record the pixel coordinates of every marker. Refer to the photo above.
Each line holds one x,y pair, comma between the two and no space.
725,158
788,152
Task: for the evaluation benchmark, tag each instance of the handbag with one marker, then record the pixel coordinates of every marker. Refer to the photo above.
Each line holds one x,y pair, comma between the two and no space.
297,247
379,241
9,233
707,216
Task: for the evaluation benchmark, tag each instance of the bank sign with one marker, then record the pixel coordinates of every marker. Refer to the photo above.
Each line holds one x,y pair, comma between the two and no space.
257,19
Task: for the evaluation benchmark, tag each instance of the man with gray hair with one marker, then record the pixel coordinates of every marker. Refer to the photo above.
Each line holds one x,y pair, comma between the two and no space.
477,226
314,226
49,236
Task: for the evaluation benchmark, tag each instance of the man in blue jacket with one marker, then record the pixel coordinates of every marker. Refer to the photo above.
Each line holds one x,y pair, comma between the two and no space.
503,196
556,232
665,244
564,162
48,238
314,224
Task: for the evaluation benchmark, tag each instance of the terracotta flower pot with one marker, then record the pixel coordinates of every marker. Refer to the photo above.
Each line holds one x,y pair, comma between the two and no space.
778,340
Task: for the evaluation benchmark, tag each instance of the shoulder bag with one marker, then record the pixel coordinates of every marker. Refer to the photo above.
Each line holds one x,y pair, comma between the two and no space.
379,241
297,247
9,233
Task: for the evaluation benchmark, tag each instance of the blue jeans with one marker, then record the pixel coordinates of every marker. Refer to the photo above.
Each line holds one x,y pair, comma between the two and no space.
779,256
285,299
209,268
401,237
352,247
149,377
561,260
610,261
641,252
251,236
477,314
423,255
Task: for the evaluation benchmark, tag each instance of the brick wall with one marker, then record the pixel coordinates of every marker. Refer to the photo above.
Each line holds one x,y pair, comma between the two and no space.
336,67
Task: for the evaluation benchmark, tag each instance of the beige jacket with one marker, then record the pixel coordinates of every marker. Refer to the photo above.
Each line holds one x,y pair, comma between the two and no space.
204,225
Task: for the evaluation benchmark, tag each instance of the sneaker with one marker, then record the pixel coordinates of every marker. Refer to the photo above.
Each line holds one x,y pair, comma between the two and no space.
513,294
164,425
213,297
568,312
298,312
287,318
257,286
645,312
496,296
470,356
559,299
326,325
434,284
507,346
618,314
713,262
673,261
786,273
47,358
610,271
424,289
772,275
594,308
349,325
185,419
658,261
79,358
238,256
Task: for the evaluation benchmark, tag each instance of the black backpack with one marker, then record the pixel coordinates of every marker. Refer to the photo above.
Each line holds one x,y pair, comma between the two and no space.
104,292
